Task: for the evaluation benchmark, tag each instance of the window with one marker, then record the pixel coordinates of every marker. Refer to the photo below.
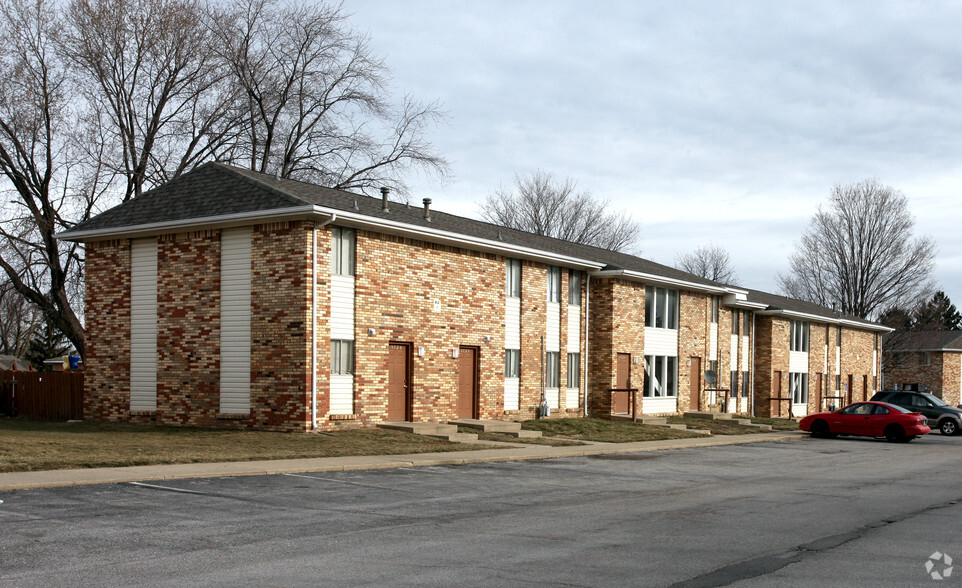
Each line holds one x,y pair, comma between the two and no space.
838,382
747,326
734,322
838,337
745,384
342,251
714,310
574,370
713,368
799,340
574,287
924,358
513,278
554,283
512,363
342,357
799,388
661,375
733,384
827,328
552,369
661,308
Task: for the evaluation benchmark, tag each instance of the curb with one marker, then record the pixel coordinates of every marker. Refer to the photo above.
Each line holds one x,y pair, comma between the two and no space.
76,477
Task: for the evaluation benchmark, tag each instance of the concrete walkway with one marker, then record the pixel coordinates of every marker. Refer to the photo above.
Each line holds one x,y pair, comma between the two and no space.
508,452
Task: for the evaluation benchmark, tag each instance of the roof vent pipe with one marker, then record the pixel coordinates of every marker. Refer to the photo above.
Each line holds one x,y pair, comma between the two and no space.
427,209
384,194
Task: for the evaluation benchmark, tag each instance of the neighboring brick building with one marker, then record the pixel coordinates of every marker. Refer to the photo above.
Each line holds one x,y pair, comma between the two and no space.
932,359
809,359
232,298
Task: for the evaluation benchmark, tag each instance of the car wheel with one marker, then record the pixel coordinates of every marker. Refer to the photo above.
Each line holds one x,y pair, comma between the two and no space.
820,429
949,427
895,433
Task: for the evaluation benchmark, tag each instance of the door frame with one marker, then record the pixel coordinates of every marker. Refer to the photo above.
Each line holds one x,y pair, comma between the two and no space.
408,376
694,386
475,380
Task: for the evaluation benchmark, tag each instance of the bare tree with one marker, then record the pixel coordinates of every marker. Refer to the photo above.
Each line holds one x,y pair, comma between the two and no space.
541,204
101,100
148,72
313,101
19,320
41,163
709,261
858,255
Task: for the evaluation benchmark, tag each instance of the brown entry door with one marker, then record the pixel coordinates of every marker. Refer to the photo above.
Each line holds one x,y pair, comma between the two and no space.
398,378
694,375
467,382
777,388
818,392
620,400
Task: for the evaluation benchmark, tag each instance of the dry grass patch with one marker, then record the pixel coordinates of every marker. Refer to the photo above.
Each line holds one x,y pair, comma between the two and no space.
605,431
777,424
32,445
717,427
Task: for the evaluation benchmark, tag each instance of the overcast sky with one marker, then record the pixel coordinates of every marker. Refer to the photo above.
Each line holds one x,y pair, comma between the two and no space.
724,122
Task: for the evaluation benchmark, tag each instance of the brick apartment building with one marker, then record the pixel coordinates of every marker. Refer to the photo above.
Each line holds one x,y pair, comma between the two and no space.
929,359
232,298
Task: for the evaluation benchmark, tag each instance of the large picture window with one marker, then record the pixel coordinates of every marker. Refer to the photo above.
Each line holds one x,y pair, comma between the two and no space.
514,278
661,308
714,310
342,357
661,376
799,336
342,251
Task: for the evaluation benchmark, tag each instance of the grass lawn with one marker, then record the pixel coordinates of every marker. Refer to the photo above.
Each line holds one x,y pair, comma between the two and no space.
35,445
777,424
587,429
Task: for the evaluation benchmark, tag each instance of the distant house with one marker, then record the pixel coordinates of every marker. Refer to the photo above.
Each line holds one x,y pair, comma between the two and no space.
932,359
233,298
12,363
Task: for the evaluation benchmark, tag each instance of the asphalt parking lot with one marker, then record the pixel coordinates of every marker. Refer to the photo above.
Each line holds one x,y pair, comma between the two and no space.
833,512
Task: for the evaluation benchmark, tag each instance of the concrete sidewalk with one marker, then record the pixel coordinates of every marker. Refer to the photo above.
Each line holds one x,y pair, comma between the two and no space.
510,452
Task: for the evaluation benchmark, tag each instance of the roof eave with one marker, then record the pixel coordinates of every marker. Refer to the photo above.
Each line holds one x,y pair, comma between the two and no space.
661,281
827,319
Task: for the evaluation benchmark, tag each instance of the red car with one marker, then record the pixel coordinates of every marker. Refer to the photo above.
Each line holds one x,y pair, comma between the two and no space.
872,419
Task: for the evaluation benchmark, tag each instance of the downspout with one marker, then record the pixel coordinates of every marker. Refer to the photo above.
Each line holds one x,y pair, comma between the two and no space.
751,401
587,315
314,318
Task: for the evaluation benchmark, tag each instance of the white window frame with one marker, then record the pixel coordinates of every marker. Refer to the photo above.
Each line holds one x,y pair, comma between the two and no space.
552,369
574,370
664,384
798,386
574,287
342,357
343,251
554,283
512,363
661,308
799,336
513,279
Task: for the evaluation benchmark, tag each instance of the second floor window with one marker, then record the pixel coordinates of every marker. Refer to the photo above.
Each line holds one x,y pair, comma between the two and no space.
574,288
554,283
661,308
514,278
799,335
342,251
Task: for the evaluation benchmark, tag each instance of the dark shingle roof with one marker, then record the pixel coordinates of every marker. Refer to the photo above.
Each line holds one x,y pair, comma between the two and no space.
922,340
216,189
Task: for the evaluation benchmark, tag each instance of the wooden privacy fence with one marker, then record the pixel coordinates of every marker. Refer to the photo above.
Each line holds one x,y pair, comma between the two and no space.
52,396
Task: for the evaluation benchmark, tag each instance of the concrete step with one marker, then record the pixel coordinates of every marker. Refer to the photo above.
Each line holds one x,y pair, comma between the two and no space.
522,434
716,416
438,430
488,426
642,420
457,437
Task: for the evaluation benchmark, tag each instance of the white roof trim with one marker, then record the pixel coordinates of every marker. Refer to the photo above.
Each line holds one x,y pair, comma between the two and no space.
661,281
346,218
828,319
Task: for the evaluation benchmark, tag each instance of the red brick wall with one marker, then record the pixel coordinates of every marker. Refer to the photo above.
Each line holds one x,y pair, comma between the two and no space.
693,341
107,313
617,326
941,377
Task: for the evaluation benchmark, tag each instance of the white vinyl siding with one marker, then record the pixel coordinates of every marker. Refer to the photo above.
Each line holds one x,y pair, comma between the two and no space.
574,328
512,388
342,394
512,323
143,324
512,340
744,353
552,339
798,361
733,353
342,307
713,340
661,342
235,321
